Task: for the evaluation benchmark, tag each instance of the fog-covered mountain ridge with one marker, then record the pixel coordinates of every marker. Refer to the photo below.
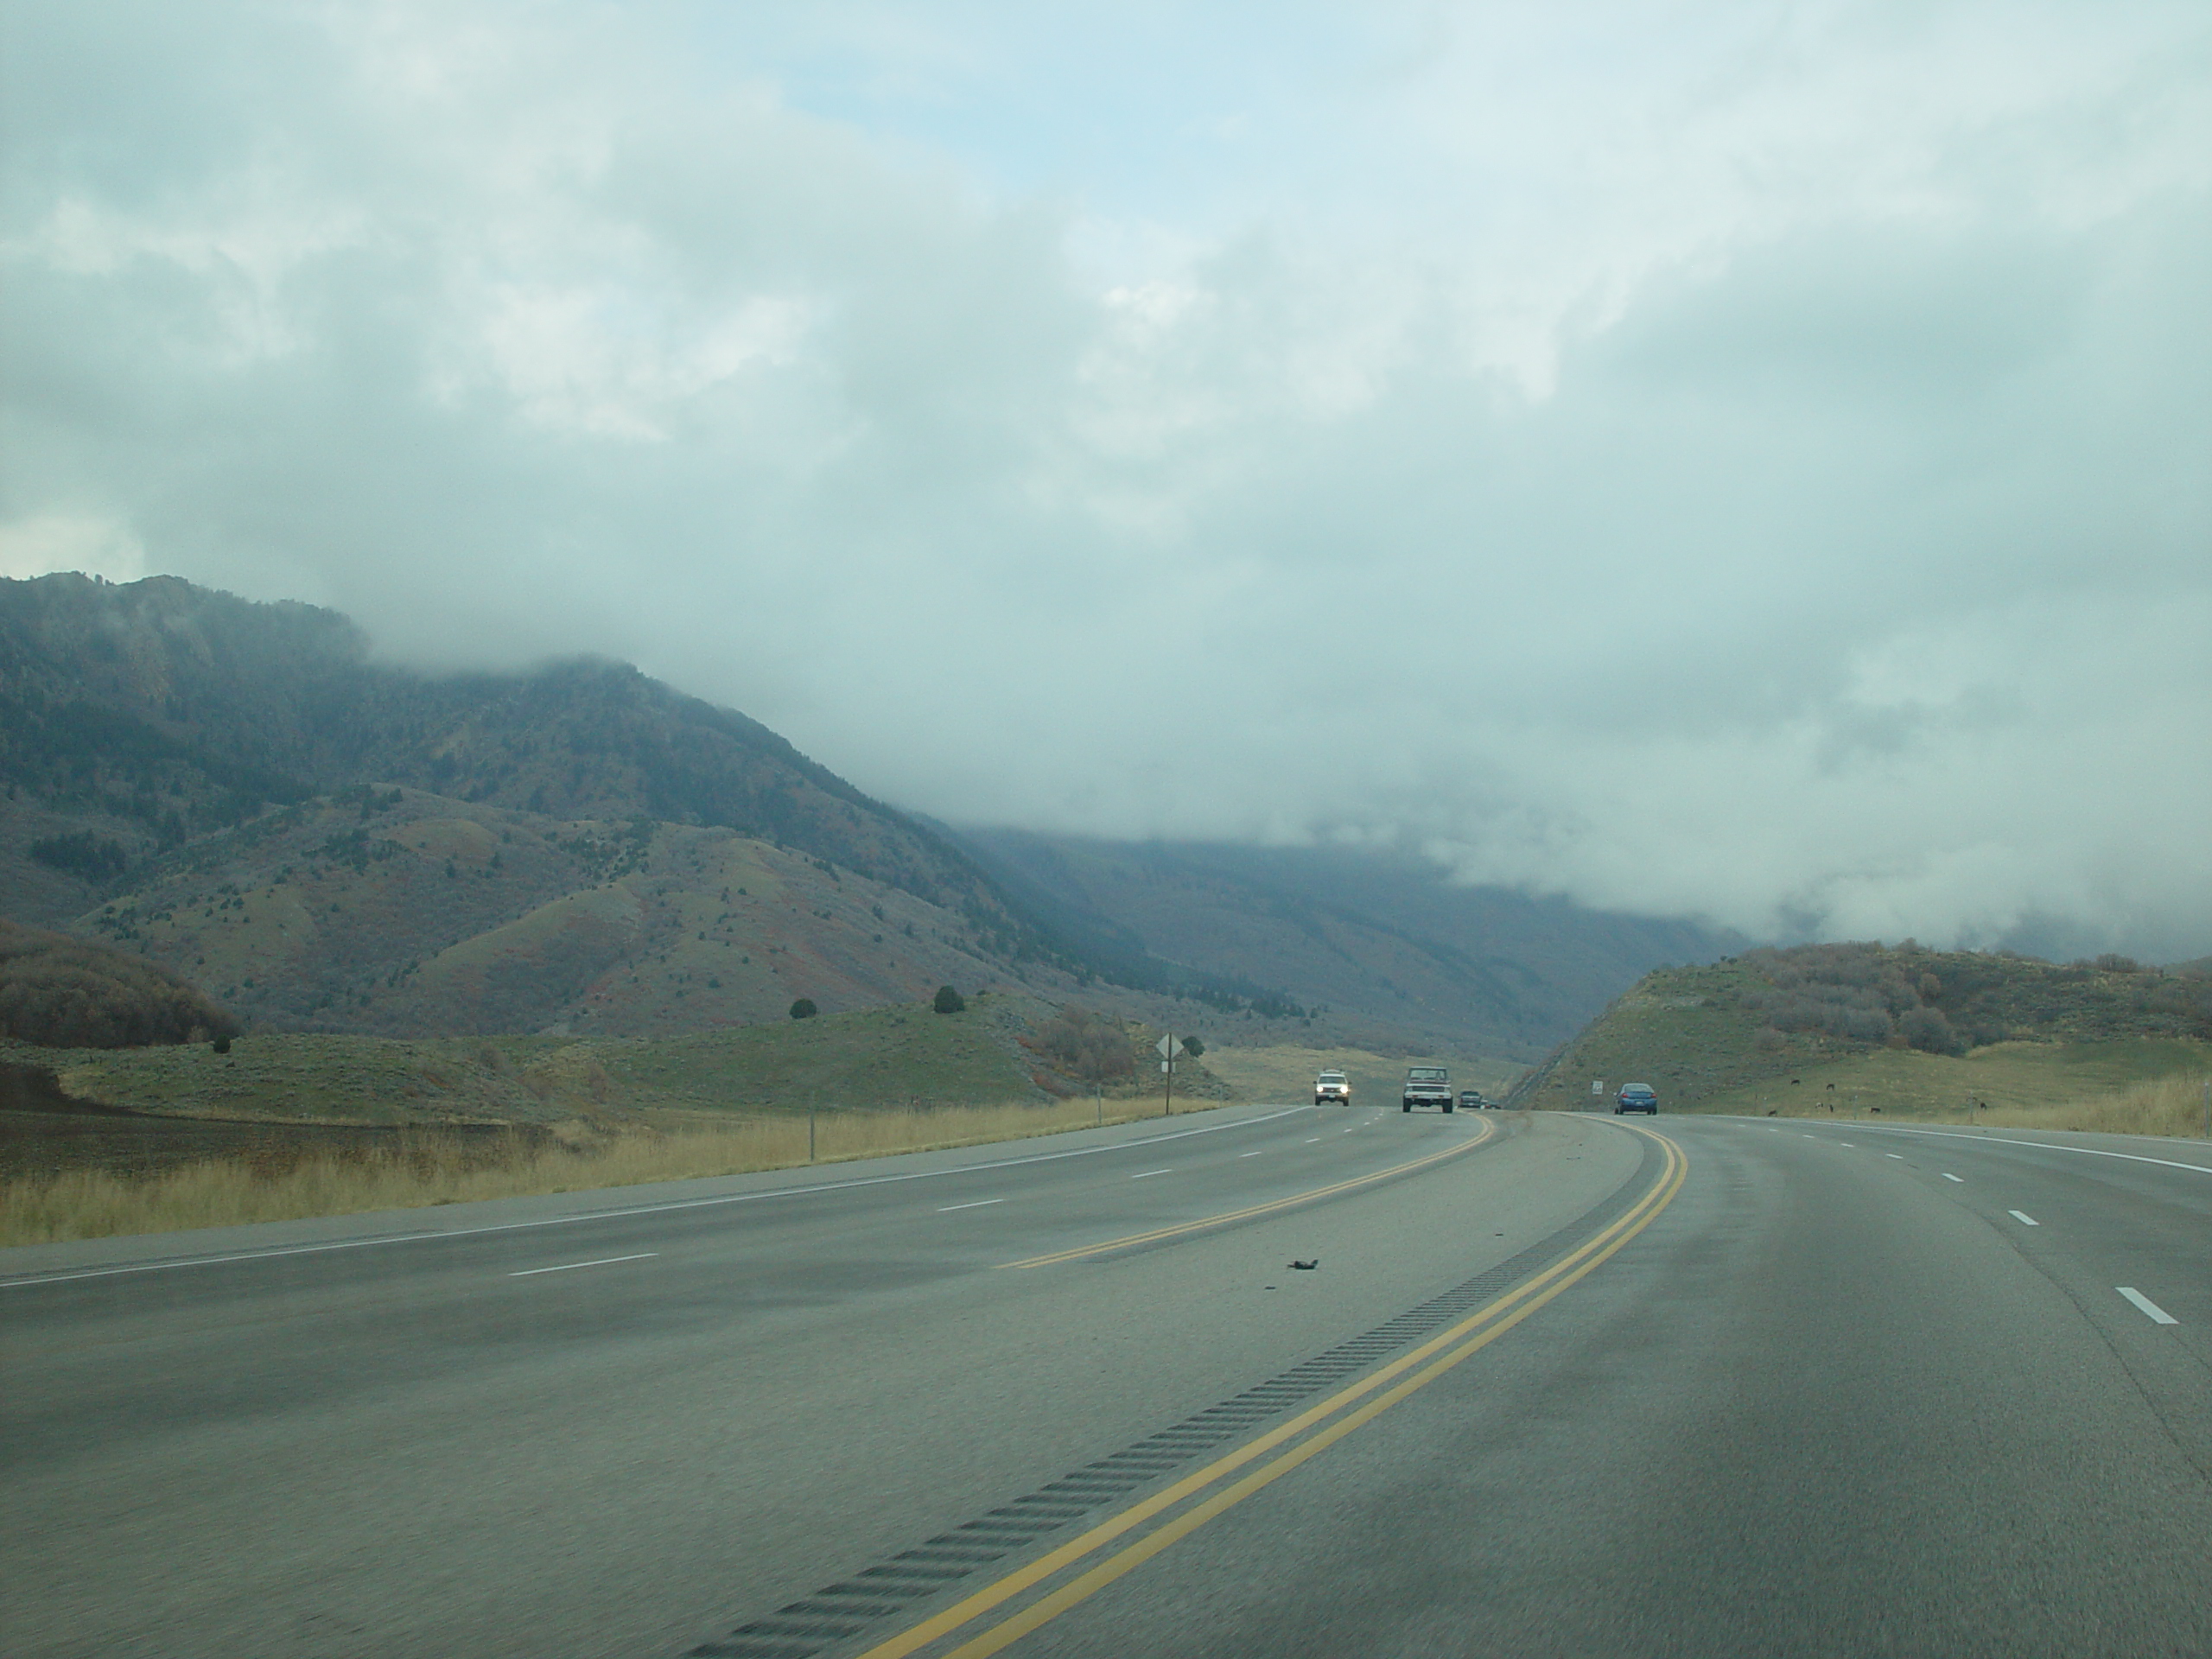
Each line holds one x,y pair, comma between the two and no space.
244,793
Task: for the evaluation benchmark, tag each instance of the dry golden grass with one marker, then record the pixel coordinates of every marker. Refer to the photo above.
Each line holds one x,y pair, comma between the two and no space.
2170,1106
2015,1086
429,1170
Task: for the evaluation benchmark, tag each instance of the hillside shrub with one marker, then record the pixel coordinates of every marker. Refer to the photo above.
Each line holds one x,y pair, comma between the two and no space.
62,992
1858,1013
804,1008
1085,1045
949,1000
1927,1029
84,855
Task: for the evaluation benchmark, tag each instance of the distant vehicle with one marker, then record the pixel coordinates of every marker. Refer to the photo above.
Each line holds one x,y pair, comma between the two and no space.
1332,1089
1636,1098
1426,1085
1471,1101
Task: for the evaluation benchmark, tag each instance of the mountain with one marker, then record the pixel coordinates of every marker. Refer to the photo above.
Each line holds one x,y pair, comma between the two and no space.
397,912
147,714
1371,950
239,792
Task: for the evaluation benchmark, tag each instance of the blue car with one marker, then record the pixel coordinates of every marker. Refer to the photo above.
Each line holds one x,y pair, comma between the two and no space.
1638,1097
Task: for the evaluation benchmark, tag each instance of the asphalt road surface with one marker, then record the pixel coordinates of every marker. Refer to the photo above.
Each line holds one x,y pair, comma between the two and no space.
1553,1385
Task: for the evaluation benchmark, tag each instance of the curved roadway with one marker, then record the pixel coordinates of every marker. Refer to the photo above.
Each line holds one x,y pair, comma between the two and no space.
1553,1385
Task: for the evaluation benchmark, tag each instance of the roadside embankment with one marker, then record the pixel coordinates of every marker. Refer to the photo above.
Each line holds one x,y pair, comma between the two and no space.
415,1168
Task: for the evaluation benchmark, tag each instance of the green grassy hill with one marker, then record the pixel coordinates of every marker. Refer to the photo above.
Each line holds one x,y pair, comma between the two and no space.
1769,1027
900,1057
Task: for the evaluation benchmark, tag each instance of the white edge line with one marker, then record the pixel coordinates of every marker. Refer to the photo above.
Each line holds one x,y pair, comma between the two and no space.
603,1262
628,1210
976,1203
2159,1315
2024,1218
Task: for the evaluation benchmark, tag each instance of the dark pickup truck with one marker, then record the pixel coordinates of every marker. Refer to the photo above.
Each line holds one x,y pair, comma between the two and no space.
1427,1085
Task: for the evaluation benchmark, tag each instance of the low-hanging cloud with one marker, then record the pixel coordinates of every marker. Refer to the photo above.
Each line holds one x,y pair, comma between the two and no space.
1753,468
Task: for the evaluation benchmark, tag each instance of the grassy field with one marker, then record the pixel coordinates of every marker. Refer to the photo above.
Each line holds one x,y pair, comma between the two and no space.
429,1169
905,1057
2149,1086
1286,1073
444,1121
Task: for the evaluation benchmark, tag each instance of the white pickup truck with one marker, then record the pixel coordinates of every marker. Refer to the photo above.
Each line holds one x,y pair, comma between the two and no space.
1427,1085
1332,1089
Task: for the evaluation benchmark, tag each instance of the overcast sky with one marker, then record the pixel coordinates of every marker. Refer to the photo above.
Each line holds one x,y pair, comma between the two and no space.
1744,460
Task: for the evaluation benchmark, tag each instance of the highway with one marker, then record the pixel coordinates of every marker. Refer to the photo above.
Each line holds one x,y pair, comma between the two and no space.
1553,1384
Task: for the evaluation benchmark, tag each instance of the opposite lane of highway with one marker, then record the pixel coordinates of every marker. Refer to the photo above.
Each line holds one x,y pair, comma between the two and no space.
396,1449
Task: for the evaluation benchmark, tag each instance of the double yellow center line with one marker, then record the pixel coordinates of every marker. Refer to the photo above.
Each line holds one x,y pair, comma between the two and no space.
1274,1205
1393,1382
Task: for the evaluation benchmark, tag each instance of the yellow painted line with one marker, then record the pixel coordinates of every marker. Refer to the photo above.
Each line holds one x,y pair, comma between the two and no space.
1568,1270
1228,1216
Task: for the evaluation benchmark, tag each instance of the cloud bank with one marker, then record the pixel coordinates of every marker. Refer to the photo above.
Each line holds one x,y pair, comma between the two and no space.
1746,462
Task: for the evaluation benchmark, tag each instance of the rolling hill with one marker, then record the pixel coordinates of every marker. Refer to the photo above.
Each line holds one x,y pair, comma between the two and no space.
1769,1025
396,911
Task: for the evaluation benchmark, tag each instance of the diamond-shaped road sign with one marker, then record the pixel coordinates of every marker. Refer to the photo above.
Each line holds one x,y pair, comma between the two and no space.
1170,1046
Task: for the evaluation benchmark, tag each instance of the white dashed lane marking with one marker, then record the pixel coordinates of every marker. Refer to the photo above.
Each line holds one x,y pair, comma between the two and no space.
567,1266
1949,1177
2157,1315
946,1210
2024,1218
1151,1172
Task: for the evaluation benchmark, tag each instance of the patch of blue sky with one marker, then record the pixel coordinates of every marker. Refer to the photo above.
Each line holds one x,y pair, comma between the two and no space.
1154,111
